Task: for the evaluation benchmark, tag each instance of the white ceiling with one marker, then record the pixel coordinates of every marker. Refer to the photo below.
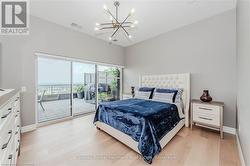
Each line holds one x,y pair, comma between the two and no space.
155,16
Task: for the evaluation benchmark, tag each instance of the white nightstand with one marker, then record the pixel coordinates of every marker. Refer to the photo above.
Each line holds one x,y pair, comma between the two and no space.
126,96
207,114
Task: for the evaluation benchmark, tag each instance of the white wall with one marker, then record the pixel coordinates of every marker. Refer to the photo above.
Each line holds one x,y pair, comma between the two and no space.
243,67
207,49
18,57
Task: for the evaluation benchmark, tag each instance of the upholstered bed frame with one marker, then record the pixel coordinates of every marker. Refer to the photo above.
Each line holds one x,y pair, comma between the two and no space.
171,81
158,81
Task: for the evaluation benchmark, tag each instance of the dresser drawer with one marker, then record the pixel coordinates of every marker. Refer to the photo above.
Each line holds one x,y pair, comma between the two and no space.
5,114
8,158
9,130
210,119
4,158
16,103
17,118
206,109
6,141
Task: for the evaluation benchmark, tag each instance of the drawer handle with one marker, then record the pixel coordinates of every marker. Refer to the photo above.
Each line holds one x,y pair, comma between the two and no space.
17,129
202,108
6,115
10,157
17,132
205,118
6,144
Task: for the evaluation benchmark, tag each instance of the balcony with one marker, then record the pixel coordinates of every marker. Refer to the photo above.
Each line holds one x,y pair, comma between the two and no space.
54,102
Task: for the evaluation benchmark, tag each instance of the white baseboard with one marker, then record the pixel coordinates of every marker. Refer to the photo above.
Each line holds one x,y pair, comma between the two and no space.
229,130
54,121
240,151
28,128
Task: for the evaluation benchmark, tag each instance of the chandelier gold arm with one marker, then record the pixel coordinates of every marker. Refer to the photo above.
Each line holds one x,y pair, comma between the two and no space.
121,24
115,24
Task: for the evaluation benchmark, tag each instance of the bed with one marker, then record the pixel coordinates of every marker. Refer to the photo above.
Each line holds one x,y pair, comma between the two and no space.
146,126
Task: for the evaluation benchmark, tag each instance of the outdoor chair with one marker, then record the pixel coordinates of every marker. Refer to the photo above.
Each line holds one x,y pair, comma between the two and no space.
40,101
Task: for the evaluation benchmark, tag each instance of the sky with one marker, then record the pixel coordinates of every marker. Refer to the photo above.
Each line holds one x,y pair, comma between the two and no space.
55,71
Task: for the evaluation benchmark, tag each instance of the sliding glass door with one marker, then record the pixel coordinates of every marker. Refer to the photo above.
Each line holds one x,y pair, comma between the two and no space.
84,83
54,89
108,83
69,88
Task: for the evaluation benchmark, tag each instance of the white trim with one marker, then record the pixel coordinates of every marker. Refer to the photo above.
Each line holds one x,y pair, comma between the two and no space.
28,128
240,150
36,86
50,122
229,130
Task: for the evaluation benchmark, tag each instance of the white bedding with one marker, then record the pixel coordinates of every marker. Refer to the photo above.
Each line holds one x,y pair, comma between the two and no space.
180,109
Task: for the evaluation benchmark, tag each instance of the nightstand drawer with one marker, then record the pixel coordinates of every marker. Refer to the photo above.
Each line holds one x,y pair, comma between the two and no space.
206,109
210,119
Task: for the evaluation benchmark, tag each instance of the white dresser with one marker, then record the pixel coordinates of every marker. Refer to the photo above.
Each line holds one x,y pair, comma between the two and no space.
9,128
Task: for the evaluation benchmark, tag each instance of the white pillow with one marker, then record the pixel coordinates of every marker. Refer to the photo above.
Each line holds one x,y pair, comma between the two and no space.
142,95
163,97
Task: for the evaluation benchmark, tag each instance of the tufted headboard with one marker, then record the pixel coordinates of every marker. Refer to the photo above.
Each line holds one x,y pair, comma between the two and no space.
171,81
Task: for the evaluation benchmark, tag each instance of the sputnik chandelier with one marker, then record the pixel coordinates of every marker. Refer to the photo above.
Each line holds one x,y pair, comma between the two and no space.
115,23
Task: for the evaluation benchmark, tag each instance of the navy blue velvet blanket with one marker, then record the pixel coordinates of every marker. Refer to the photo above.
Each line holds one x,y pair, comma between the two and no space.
144,120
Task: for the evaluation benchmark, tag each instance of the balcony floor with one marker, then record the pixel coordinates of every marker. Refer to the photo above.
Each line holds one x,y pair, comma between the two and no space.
61,108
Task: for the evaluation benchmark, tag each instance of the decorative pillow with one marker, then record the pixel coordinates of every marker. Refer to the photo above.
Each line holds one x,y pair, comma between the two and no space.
167,95
144,93
146,89
164,97
177,98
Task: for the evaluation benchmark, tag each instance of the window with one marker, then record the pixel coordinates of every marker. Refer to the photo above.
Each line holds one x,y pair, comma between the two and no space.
68,88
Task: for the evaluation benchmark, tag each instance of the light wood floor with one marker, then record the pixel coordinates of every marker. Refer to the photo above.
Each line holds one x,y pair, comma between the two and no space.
78,143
